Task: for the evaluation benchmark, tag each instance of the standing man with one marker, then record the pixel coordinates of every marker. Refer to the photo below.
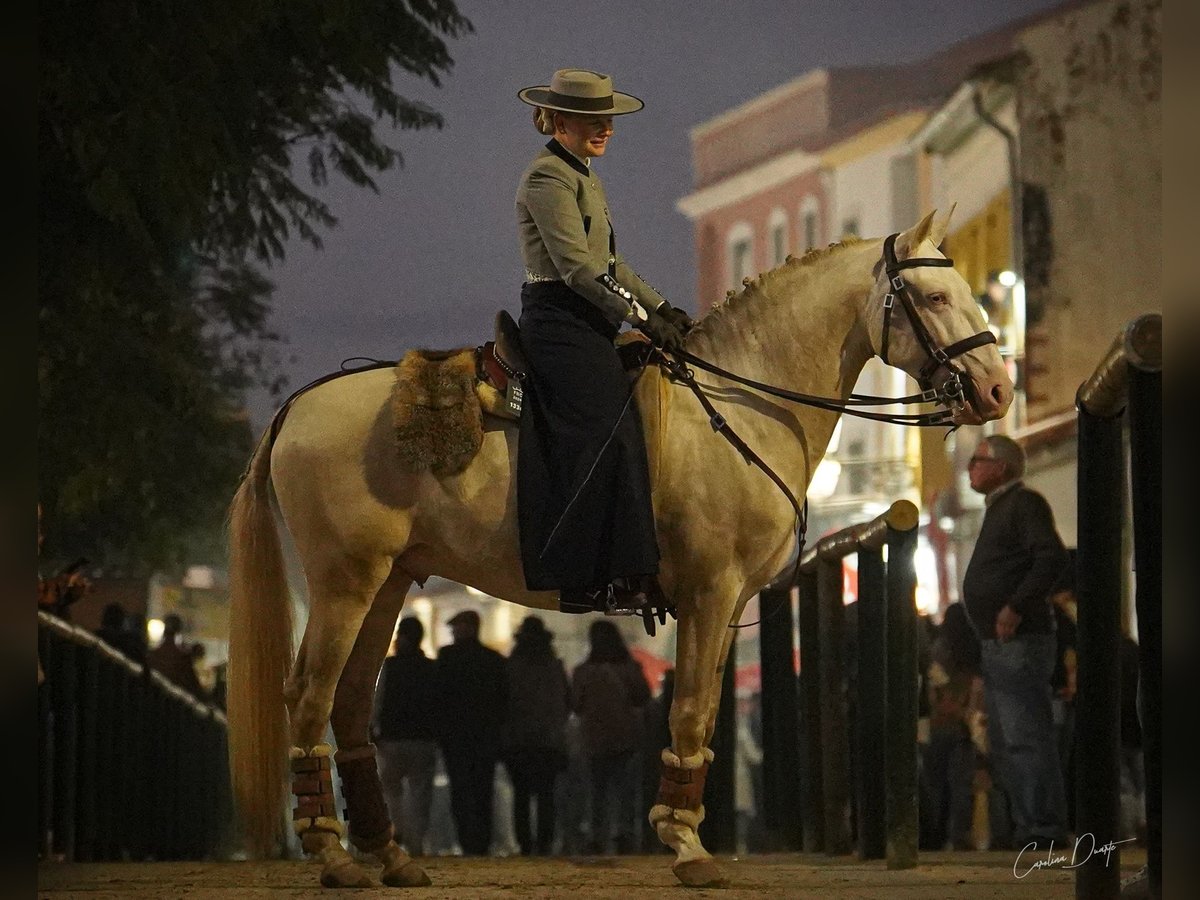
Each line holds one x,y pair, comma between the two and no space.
405,733
472,697
1017,560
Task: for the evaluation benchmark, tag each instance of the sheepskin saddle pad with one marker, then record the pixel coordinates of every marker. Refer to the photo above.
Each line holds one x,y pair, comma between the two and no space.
436,411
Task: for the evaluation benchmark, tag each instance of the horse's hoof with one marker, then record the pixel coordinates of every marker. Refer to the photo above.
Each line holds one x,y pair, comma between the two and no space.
408,875
699,873
345,874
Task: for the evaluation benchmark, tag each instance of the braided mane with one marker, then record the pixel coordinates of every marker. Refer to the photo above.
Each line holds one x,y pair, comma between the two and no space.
766,281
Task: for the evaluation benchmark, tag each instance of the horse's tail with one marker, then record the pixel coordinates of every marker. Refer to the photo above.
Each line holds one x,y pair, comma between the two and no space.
260,656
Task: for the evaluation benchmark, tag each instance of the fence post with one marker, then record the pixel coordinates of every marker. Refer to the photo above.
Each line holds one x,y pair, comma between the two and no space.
871,733
720,819
1145,447
810,713
835,749
780,724
902,700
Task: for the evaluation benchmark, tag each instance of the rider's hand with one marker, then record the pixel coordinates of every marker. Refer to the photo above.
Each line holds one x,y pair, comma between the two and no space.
661,332
676,317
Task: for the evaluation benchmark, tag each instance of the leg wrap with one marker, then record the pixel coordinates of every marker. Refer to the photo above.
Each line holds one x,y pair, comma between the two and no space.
681,785
312,783
370,824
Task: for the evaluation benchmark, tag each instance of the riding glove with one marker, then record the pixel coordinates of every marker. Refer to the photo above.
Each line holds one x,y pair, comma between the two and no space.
676,317
662,332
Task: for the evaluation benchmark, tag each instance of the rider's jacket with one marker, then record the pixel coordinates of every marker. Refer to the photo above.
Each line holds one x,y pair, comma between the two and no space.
566,234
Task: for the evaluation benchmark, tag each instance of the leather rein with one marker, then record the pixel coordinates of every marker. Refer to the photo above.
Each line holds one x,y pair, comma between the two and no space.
951,393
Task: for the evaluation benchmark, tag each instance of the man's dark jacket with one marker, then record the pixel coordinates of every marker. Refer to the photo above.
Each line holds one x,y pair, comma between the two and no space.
404,701
1017,560
471,694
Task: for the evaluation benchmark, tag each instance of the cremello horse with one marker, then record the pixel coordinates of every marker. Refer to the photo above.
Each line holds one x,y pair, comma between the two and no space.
364,532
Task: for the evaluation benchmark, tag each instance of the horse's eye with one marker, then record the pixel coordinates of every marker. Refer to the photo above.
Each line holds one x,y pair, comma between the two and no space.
938,299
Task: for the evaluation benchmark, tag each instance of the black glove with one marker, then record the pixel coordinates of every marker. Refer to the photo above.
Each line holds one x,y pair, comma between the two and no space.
661,332
676,317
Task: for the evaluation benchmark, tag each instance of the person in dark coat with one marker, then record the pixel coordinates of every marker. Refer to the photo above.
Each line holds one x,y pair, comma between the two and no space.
471,700
535,732
609,691
403,725
116,631
1017,561
583,484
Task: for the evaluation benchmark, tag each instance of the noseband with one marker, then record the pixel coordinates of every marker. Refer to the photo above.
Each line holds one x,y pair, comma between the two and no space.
953,391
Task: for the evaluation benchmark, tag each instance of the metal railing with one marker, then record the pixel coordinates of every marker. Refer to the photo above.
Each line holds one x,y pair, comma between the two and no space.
130,767
884,739
1124,394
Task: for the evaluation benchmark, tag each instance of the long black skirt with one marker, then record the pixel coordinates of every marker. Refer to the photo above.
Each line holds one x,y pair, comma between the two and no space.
583,485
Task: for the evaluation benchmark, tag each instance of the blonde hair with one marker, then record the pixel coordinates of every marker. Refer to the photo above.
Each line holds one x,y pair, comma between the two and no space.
543,120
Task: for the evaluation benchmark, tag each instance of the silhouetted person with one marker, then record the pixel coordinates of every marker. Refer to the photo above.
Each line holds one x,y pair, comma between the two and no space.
174,661
535,732
472,697
954,693
609,691
115,631
404,725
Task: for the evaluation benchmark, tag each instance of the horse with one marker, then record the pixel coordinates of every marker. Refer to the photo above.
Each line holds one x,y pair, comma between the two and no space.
365,531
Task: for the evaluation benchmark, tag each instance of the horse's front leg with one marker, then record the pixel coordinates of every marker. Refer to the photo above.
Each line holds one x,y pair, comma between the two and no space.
679,808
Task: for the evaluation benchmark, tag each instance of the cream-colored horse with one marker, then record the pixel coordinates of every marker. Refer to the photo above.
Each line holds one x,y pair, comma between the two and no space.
365,532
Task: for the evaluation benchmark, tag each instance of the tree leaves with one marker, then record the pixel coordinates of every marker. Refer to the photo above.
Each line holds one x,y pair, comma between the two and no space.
167,138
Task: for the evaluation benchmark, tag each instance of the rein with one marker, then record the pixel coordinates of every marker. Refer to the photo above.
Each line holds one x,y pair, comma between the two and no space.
951,394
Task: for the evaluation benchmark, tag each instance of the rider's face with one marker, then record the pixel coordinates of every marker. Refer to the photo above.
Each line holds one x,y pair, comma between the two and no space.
584,135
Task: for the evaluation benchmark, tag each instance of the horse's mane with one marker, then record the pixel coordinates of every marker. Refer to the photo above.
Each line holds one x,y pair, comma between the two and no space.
753,288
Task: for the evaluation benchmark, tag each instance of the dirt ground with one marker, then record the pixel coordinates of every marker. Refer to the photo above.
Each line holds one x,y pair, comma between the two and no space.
940,875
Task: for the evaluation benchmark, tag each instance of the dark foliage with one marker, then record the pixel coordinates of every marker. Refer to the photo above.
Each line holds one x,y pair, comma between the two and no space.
168,136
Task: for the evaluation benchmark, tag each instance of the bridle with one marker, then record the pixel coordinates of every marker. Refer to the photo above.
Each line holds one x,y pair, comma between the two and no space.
950,394
953,390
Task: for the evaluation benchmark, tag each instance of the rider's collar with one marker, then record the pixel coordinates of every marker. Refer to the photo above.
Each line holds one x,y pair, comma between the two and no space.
579,165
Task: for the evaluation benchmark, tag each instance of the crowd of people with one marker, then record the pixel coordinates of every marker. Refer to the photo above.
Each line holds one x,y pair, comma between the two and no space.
573,747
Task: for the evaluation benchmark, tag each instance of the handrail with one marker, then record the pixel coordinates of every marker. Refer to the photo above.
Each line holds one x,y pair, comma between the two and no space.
1139,345
900,516
84,638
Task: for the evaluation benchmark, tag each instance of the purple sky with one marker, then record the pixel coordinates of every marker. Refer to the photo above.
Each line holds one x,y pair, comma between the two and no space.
428,260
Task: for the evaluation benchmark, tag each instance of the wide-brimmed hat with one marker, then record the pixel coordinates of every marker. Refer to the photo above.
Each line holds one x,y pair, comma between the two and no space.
581,91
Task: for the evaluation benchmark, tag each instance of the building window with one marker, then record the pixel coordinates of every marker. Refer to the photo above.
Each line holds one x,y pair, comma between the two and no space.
739,244
810,223
740,261
777,228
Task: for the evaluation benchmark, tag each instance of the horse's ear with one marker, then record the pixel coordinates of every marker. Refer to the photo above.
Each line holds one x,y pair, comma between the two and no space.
941,226
909,240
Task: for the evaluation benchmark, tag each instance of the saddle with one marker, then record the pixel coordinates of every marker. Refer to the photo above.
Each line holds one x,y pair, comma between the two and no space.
501,369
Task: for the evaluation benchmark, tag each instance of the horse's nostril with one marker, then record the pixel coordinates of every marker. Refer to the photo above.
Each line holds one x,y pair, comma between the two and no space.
997,394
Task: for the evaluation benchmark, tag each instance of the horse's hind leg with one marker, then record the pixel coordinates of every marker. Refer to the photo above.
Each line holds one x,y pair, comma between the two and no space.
340,596
371,829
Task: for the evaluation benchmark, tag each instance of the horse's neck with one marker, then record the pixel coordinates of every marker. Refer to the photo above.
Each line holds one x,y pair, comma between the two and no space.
798,328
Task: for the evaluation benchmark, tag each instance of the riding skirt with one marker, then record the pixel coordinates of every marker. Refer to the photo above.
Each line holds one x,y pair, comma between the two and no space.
583,484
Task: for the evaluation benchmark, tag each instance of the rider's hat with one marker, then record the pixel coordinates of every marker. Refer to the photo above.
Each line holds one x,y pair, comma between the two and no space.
581,91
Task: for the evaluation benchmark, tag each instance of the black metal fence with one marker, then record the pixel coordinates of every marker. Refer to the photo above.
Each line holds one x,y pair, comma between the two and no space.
812,801
130,767
1121,402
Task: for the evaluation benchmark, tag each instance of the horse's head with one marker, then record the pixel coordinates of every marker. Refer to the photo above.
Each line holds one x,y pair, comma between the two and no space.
923,318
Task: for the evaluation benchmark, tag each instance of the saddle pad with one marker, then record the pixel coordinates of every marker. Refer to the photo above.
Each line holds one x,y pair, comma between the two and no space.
435,411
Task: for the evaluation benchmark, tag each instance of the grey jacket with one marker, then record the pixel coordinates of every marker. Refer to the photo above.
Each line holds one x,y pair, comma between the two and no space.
566,233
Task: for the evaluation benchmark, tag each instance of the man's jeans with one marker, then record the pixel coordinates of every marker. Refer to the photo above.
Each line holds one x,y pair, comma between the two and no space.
1021,735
